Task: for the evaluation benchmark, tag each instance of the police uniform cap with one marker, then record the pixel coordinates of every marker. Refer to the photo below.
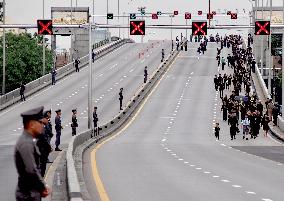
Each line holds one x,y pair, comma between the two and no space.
59,110
45,113
33,114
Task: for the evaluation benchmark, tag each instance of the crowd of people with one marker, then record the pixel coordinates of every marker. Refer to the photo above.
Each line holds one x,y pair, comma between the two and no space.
240,105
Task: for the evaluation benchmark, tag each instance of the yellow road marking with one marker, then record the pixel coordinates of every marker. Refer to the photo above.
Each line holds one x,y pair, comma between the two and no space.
99,184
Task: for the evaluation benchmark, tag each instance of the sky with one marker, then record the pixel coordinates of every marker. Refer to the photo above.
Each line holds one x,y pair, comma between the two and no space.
28,11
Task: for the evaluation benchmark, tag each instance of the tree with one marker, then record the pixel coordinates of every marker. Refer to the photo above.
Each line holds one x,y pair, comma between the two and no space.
23,59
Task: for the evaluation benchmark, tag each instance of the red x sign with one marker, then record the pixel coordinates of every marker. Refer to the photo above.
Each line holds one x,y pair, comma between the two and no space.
200,12
137,27
154,16
234,16
209,16
262,27
199,28
187,15
44,27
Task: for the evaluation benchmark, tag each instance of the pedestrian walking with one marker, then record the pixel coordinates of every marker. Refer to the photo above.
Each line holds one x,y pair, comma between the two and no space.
145,74
217,131
30,186
22,92
74,124
246,127
223,63
120,98
58,128
95,120
77,61
265,126
216,83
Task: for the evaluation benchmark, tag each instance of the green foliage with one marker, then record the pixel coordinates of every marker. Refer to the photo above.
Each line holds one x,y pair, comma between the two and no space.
23,59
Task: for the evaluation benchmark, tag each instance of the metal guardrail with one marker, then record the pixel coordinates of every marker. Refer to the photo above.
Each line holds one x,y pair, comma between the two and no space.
107,129
40,83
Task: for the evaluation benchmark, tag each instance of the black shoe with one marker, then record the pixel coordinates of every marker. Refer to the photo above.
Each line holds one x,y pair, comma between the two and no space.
57,149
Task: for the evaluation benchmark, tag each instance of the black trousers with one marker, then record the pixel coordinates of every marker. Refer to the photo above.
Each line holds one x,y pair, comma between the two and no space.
74,132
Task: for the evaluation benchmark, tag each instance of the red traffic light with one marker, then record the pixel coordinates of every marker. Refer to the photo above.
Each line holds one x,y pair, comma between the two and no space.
262,27
44,27
199,28
234,16
137,27
175,12
187,15
199,12
155,16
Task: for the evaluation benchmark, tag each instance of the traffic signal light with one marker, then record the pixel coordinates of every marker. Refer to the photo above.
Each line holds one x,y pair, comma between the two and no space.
199,12
187,15
175,12
214,12
209,16
159,13
132,16
44,27
234,16
143,12
154,16
110,16
137,27
199,28
262,27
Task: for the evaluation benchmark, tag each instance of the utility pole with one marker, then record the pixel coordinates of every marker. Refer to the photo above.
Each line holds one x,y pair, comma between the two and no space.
4,51
90,95
262,43
118,17
269,54
43,44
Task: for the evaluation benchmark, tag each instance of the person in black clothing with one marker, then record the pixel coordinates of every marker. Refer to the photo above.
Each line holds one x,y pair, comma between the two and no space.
275,113
53,74
216,83
58,128
74,124
43,145
265,126
145,74
95,120
225,110
221,89
22,92
163,55
233,125
77,61
217,131
120,98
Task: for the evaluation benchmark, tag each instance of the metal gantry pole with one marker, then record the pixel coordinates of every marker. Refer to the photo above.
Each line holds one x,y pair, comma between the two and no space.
186,29
107,11
43,44
269,55
262,43
90,95
282,73
118,17
4,51
171,28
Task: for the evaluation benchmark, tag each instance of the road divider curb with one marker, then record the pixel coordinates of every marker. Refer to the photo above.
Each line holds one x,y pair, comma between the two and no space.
45,81
86,139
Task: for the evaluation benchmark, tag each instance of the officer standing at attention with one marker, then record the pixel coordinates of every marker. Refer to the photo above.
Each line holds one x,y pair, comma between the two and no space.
31,186
145,74
77,61
74,124
120,98
95,120
43,145
58,128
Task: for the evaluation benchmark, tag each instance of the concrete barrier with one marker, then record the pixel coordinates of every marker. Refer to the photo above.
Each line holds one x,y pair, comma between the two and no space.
40,83
108,128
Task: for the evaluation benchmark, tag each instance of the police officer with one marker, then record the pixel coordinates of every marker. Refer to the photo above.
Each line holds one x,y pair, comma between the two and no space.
31,185
53,74
48,127
145,74
58,128
22,92
163,55
95,120
43,145
120,98
74,124
77,61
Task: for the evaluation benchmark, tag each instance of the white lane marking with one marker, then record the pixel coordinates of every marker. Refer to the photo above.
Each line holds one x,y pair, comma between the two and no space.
101,75
15,130
185,162
236,186
173,154
223,145
180,159
216,176
124,76
73,94
250,192
70,96
198,168
169,127
169,150
66,125
60,102
191,73
131,70
225,180
266,199
206,172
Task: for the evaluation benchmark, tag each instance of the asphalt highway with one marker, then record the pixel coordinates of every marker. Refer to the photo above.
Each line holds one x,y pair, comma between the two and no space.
120,68
168,151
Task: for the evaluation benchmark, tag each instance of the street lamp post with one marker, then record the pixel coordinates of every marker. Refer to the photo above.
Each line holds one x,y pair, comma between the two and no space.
4,52
90,95
43,44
